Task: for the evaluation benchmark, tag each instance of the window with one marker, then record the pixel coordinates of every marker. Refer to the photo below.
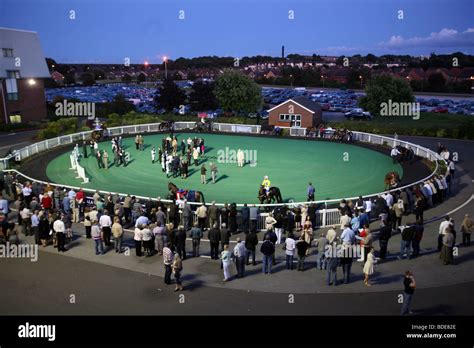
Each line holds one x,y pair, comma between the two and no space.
13,74
15,118
7,52
12,89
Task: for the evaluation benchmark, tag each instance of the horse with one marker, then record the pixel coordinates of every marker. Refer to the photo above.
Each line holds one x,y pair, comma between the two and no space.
190,195
391,180
273,195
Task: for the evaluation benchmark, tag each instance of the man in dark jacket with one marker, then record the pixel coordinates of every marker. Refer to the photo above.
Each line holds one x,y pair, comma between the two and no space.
245,213
267,249
419,229
180,242
224,235
312,214
233,218
251,242
214,238
273,238
196,235
174,214
187,216
384,235
301,247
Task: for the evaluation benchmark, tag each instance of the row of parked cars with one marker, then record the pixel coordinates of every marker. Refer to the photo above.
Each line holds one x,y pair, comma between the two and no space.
458,106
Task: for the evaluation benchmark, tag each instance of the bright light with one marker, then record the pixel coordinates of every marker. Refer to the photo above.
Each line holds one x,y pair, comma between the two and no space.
360,76
146,63
165,59
31,82
52,66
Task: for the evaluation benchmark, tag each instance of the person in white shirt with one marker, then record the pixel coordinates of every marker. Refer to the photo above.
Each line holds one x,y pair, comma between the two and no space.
290,246
442,228
153,155
138,238
395,154
105,224
147,240
388,198
270,221
60,228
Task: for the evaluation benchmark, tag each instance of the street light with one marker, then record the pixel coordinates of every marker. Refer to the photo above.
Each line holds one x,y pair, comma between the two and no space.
360,77
146,65
291,80
322,78
165,60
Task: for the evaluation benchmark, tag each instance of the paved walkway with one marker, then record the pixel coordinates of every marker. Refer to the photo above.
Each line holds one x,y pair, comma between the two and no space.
428,268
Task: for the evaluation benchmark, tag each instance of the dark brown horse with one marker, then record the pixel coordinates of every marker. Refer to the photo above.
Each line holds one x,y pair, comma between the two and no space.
274,194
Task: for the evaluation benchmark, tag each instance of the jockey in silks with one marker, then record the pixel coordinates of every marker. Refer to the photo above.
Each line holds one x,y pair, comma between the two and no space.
266,184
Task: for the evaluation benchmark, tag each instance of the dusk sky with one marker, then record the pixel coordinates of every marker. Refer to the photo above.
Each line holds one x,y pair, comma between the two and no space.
107,31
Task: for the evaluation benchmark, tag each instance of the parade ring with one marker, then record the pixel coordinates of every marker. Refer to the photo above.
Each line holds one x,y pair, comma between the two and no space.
336,170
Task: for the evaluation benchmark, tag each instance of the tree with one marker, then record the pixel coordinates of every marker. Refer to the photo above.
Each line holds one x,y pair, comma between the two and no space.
141,77
119,105
236,92
436,82
126,78
382,88
202,96
170,95
88,79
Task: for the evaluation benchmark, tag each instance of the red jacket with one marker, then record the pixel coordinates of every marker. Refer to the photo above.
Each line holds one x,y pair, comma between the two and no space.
47,202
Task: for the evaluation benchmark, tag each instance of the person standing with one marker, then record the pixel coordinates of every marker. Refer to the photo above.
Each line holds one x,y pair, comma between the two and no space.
196,157
203,174
225,257
35,226
177,268
180,242
289,247
409,284
87,222
321,246
267,249
97,236
385,234
466,229
253,216
84,148
310,192
251,242
167,261
407,237
159,233
153,155
213,172
446,254
301,247
240,256
245,216
117,232
346,263
105,223
138,239
213,214
98,156
419,229
442,228
60,229
201,213
105,158
331,271
137,142
224,235
196,235
214,238
369,267
187,215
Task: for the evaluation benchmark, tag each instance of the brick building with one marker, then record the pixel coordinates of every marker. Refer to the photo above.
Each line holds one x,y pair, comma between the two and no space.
296,112
22,68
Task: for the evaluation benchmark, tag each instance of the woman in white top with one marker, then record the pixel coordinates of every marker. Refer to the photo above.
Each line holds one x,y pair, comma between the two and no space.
369,266
290,245
138,237
225,257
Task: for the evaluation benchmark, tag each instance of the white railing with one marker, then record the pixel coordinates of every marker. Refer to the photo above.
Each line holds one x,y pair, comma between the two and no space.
30,150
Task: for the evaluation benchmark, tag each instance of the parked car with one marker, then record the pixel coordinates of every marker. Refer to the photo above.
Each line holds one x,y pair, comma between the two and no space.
358,114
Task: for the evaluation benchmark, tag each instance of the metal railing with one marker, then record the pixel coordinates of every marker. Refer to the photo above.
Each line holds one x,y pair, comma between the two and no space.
325,218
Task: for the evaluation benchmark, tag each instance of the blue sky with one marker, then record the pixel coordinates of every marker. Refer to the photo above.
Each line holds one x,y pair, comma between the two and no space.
107,31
